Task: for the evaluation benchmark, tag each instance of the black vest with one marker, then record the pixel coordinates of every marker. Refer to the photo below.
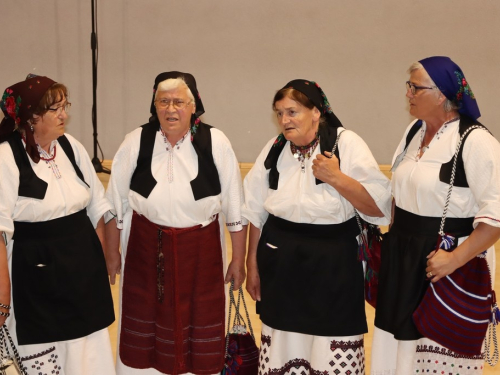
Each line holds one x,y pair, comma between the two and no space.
206,184
446,168
327,138
30,185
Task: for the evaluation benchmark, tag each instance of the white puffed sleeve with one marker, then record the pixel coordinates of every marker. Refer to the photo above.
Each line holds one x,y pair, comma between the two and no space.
98,204
357,161
9,185
122,169
230,180
481,156
256,187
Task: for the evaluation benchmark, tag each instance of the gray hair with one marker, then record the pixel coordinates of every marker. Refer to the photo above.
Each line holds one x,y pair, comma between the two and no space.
173,84
448,105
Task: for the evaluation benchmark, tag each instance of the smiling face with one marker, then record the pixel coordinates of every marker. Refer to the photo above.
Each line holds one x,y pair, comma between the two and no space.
175,122
51,125
298,123
425,104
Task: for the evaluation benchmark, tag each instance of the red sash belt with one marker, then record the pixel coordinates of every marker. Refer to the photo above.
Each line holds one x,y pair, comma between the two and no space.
173,302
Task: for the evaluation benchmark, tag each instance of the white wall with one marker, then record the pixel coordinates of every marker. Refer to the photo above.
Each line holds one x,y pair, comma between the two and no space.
241,52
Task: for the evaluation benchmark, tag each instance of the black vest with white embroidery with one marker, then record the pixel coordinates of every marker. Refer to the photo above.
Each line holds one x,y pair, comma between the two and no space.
205,184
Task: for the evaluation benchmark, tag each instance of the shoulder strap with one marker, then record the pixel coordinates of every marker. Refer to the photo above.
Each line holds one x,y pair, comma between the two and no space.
271,161
68,150
207,182
411,133
446,170
30,185
142,181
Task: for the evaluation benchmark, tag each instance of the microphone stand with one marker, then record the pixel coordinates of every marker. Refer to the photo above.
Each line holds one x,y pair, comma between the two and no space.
96,162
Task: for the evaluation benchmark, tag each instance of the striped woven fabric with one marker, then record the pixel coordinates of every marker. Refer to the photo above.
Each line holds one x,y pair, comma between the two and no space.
456,310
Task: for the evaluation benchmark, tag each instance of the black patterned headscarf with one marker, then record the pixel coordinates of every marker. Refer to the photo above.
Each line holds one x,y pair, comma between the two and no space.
190,82
18,103
316,95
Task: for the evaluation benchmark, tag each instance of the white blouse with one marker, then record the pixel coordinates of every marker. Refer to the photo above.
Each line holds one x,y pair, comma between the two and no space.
417,188
171,202
300,200
65,195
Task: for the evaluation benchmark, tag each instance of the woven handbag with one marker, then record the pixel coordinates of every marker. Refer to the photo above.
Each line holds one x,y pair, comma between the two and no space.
10,363
369,250
242,354
459,309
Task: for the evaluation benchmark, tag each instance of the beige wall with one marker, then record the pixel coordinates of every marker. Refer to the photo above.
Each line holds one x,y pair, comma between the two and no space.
241,52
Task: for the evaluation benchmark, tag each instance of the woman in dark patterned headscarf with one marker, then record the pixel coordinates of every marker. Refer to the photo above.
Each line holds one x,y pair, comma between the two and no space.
445,109
51,201
302,261
175,184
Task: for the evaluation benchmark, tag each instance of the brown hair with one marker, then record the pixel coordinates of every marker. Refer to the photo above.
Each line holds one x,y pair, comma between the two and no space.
293,94
53,95
299,97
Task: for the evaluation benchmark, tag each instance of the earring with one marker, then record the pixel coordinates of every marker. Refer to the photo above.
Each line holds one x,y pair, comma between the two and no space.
31,128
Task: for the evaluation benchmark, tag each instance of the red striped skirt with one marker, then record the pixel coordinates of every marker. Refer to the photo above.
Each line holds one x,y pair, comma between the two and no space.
173,302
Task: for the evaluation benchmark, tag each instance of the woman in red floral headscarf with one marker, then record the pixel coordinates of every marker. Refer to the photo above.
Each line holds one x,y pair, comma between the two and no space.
54,293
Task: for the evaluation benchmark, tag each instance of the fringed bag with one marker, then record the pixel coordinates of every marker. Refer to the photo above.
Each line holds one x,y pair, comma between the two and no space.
459,309
242,354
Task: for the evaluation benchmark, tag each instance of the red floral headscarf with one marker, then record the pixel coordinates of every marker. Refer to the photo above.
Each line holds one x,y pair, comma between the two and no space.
18,103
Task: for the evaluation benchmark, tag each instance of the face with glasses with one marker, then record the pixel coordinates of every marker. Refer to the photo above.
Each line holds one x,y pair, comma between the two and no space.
424,97
174,109
51,125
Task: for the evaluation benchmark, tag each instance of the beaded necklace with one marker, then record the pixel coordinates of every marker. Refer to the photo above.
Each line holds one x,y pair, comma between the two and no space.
423,148
49,159
301,153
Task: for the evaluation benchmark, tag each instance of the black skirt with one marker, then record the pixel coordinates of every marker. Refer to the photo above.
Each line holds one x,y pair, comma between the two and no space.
60,283
311,279
402,278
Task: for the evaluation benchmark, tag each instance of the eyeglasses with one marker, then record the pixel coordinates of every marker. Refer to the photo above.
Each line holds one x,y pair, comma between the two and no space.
413,88
58,110
177,103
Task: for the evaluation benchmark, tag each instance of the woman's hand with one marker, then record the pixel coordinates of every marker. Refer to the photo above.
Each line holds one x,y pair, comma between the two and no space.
326,167
440,264
253,281
112,252
236,272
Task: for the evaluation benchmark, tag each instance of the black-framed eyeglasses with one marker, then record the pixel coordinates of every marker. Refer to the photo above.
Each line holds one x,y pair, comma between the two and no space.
413,88
58,110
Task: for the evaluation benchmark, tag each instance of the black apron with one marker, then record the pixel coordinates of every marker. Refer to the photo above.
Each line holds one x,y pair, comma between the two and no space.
311,279
402,279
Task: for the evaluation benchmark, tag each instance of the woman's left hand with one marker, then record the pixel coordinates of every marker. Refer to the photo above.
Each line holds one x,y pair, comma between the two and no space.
440,263
325,167
236,272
